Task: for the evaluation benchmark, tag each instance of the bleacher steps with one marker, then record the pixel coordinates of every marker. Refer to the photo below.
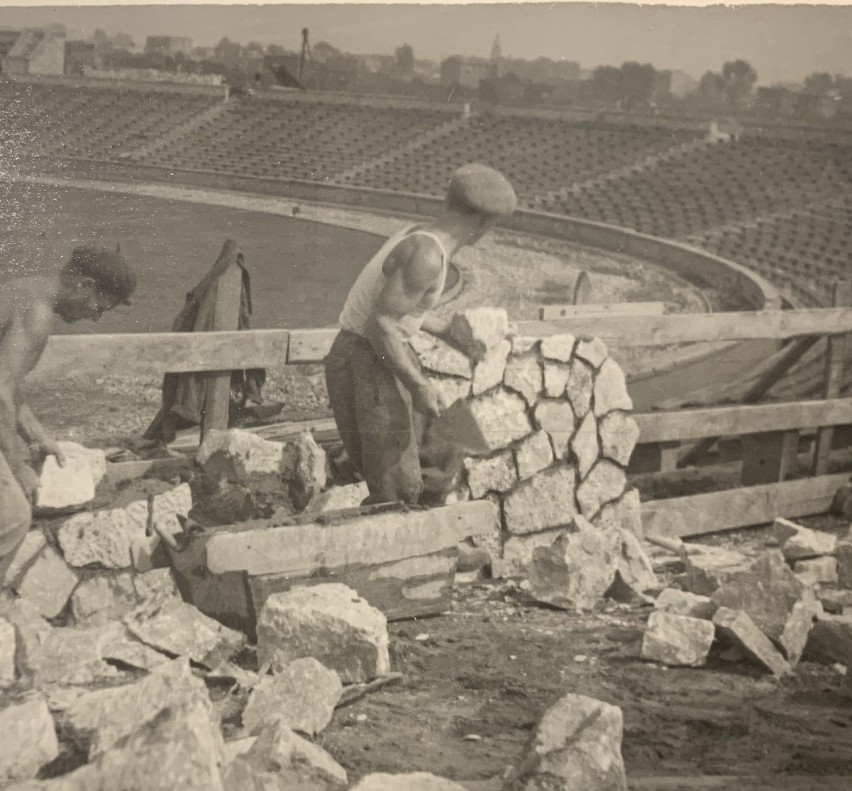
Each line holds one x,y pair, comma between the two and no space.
185,129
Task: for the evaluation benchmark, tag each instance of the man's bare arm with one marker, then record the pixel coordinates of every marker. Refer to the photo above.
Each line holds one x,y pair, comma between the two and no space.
31,429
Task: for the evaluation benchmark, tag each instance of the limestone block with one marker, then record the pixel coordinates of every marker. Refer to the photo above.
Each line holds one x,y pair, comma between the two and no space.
8,644
70,487
619,433
611,390
29,740
477,330
102,538
577,569
678,602
156,584
489,371
523,344
585,445
593,351
338,498
518,551
557,419
800,543
579,386
555,379
830,640
32,544
799,624
302,695
533,454
484,424
544,501
47,582
843,553
524,376
577,745
240,456
309,477
605,483
677,639
329,622
117,644
624,513
410,781
708,567
439,357
100,600
736,627
834,601
817,571
451,389
494,474
558,347
635,570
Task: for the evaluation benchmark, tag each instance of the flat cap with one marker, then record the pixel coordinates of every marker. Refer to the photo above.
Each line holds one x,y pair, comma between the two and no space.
482,189
107,268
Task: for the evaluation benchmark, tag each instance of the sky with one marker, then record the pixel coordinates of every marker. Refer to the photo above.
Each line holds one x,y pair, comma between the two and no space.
784,43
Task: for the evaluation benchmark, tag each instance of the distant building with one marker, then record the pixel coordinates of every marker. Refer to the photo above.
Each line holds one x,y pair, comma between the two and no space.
79,55
467,73
168,45
35,51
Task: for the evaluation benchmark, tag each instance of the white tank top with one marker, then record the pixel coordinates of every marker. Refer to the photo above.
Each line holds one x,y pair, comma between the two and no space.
362,297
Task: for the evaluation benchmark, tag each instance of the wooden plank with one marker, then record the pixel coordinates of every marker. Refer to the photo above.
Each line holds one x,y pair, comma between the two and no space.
835,363
553,312
154,353
304,549
310,346
226,317
686,424
733,508
131,470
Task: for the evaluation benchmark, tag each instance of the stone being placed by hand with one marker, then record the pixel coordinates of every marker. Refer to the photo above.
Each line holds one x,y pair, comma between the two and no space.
71,486
477,330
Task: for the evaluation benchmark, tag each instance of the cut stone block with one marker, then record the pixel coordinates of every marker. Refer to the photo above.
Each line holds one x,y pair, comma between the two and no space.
622,514
329,622
580,387
309,476
8,644
303,695
708,567
489,371
585,445
524,376
439,357
477,330
494,474
546,500
117,644
830,640
742,632
240,456
555,379
524,344
794,636
558,347
410,781
533,454
102,538
557,419
677,639
611,390
817,571
70,487
29,740
338,498
577,745
577,569
33,543
619,433
64,656
484,424
605,483
800,543
280,760
593,351
47,582
678,602
100,600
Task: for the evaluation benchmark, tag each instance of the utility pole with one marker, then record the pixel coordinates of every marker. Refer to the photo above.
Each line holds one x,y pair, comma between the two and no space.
306,52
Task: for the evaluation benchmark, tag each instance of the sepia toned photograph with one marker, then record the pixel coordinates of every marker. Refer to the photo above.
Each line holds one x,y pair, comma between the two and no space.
425,397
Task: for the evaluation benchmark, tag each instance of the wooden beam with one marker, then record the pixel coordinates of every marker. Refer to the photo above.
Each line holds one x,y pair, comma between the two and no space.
310,346
554,312
733,508
835,363
155,353
687,424
122,471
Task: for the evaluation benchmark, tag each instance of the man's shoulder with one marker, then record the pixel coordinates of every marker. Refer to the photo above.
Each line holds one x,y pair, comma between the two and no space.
418,252
28,301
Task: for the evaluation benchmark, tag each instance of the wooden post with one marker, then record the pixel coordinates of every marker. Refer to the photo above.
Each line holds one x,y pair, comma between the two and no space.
769,457
838,348
226,316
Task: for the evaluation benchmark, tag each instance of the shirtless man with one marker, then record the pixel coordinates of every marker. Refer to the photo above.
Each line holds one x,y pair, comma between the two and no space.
380,399
92,282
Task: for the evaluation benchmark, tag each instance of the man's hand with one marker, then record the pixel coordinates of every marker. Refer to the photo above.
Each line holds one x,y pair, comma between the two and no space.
428,399
50,447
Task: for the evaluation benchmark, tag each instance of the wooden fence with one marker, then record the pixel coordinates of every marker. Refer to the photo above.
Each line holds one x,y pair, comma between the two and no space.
770,432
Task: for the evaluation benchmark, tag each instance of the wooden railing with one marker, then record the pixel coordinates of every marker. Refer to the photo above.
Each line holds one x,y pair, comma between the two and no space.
770,432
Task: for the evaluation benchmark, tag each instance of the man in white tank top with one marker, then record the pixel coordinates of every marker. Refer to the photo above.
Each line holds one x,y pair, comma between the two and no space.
380,398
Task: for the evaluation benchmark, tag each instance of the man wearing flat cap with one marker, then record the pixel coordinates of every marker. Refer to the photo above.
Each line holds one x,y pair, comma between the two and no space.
380,398
93,281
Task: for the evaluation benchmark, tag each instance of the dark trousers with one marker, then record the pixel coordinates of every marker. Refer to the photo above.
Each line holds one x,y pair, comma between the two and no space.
386,438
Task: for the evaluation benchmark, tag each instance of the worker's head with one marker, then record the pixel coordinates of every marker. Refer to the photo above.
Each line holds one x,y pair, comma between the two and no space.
480,196
93,281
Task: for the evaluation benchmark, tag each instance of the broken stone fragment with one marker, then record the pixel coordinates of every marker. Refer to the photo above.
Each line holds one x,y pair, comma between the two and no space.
577,569
577,745
309,476
33,543
843,553
533,454
557,419
240,456
800,543
524,344
101,538
117,644
411,781
708,567
29,740
518,549
546,500
585,445
817,571
302,695
738,629
47,582
338,498
489,371
678,602
558,347
834,601
619,433
593,351
610,391
8,644
100,600
64,656
477,330
580,386
635,570
830,640
280,760
494,474
484,424
798,627
524,376
605,483
329,622
450,389
555,379
439,357
70,487
156,584
677,639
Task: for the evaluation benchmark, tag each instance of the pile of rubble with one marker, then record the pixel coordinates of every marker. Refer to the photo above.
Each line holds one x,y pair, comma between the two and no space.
788,603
